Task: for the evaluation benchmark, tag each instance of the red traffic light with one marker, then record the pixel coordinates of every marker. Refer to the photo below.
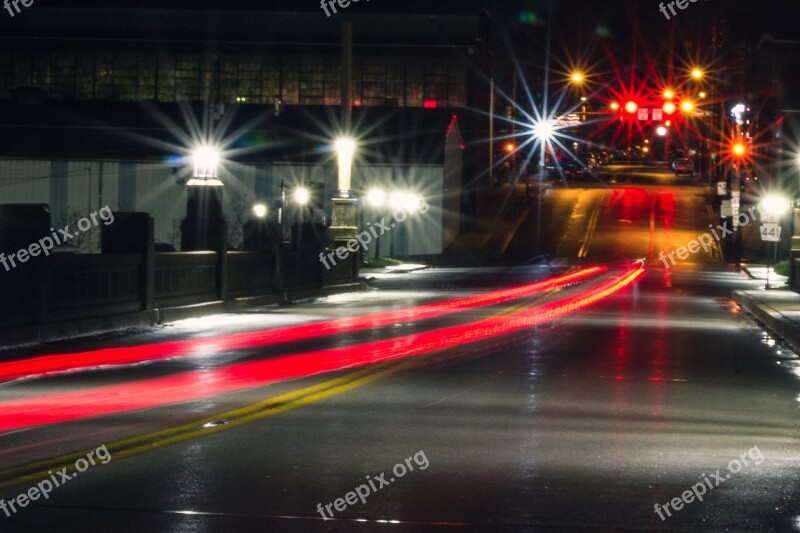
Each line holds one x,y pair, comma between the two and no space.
631,107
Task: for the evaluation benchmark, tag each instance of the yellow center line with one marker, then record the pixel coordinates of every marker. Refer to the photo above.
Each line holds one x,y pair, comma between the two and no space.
217,423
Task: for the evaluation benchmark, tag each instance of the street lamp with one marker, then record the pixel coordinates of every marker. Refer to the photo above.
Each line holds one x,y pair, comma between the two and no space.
669,94
204,225
543,130
577,77
376,197
260,211
205,159
687,106
697,73
302,196
345,150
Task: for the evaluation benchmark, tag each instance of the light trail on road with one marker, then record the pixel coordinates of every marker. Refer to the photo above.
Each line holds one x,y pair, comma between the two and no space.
193,385
127,355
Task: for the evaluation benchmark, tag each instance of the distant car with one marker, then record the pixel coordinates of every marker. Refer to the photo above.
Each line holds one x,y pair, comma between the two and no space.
590,161
683,166
573,169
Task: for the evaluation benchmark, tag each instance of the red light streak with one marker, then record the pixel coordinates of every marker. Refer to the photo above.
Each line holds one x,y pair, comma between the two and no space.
149,393
57,363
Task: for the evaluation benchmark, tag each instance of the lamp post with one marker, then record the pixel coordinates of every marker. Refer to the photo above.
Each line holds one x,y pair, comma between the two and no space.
542,131
203,227
344,217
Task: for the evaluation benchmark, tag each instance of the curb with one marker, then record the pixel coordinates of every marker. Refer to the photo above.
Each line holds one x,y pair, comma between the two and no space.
770,318
59,331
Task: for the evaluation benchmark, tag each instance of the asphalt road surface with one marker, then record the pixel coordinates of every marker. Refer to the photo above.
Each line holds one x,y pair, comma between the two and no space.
610,399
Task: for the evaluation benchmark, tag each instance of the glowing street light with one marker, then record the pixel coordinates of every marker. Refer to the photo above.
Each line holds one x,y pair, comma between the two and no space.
669,108
578,77
687,106
543,130
614,106
407,201
260,211
774,205
697,73
510,147
345,150
669,94
376,197
302,196
205,159
739,149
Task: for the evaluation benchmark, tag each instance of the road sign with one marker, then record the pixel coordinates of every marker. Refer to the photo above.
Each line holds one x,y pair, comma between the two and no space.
657,115
644,114
722,188
726,209
771,232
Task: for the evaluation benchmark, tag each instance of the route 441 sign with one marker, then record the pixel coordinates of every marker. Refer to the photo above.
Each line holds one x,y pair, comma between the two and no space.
771,232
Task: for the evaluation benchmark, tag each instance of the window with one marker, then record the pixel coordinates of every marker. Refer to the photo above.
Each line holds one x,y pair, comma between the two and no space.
146,79
333,81
84,75
311,80
166,78
104,76
270,79
373,82
125,66
62,83
187,77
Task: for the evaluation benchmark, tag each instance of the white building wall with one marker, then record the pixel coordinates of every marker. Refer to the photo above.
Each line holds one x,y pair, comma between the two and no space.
159,194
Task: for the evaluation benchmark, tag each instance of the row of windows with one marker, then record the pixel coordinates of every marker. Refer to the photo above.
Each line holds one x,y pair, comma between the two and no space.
305,80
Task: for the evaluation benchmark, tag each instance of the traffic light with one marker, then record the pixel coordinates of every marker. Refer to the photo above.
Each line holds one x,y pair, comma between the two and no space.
738,150
669,108
631,107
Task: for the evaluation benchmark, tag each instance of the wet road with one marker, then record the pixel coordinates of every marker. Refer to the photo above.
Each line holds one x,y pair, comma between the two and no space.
502,412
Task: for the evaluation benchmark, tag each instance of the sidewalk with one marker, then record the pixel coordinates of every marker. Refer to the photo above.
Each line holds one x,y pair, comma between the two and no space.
778,310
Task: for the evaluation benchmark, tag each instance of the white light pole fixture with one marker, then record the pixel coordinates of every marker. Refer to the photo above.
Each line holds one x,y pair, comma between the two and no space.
260,211
302,196
543,130
408,201
205,159
774,205
376,197
345,150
